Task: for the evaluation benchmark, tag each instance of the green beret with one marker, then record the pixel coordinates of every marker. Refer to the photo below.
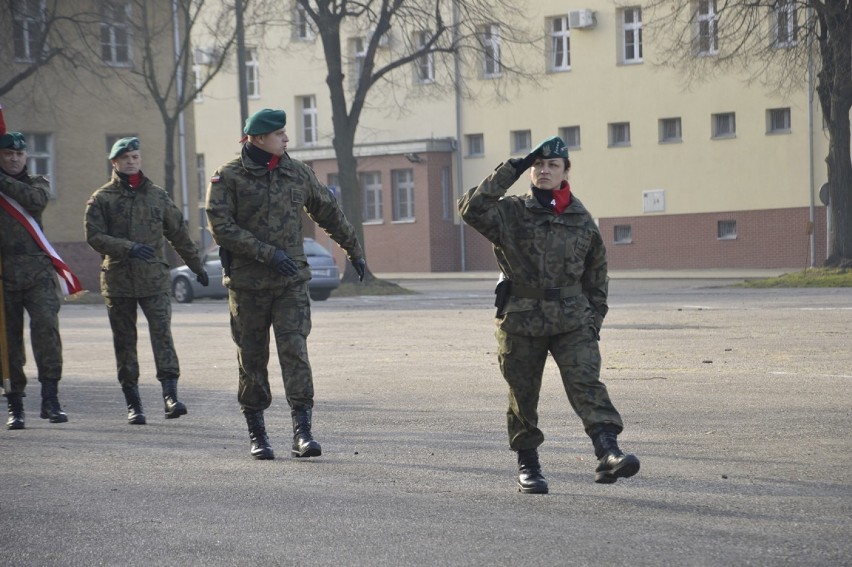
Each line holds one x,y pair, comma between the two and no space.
265,121
551,148
13,141
123,146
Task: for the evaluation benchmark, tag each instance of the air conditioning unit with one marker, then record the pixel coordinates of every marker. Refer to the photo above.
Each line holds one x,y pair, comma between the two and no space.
581,19
203,56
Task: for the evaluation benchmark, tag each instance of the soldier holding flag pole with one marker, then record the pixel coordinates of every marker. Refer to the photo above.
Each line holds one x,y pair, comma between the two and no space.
30,267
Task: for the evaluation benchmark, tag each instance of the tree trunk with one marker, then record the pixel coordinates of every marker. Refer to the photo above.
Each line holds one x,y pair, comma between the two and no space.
835,95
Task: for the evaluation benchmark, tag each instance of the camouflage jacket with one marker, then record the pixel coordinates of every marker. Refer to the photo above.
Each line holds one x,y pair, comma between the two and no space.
536,248
117,217
24,262
253,212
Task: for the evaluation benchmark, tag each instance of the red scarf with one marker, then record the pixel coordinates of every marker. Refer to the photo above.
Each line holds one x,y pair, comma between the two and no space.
561,197
273,162
135,180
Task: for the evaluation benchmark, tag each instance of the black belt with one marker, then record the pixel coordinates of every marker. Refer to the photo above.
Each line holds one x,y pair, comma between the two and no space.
550,293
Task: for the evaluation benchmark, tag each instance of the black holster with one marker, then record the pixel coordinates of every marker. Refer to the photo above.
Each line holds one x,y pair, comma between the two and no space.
501,296
225,257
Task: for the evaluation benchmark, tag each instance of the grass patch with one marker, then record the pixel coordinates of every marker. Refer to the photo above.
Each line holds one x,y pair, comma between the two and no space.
811,277
373,287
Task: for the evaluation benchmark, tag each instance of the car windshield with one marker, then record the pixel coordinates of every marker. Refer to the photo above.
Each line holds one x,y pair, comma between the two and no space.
314,249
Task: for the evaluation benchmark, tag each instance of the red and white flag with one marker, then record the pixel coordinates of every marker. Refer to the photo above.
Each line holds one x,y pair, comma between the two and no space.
67,280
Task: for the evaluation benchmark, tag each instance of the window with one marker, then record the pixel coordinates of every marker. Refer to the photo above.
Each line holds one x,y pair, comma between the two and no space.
560,44
333,184
28,29
40,156
707,33
198,75
252,74
308,106
115,32
619,134
724,125
446,194
425,64
521,141
571,136
475,145
670,130
726,229
632,35
403,194
302,25
778,121
622,234
371,184
201,176
489,40
359,54
784,23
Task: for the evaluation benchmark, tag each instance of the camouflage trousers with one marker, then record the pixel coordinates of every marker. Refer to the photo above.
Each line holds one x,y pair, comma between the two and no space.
122,318
41,302
576,353
288,312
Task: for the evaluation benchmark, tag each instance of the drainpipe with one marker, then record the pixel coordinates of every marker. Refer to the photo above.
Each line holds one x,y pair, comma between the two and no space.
459,170
184,192
811,210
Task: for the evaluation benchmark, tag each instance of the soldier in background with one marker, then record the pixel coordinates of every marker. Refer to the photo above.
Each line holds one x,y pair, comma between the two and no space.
126,222
29,282
254,206
552,298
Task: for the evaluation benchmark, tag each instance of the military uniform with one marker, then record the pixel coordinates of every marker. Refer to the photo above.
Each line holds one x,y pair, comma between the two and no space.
29,284
255,211
29,281
117,218
556,271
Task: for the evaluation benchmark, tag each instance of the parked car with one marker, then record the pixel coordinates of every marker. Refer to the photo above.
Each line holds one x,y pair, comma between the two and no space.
325,275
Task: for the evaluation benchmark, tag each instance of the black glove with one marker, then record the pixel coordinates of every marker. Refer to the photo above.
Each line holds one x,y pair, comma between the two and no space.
141,251
360,265
284,264
203,279
522,164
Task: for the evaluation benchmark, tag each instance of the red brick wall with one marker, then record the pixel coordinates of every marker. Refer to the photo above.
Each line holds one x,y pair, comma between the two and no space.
775,238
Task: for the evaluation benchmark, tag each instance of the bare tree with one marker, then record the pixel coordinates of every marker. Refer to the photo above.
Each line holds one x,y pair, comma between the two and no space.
448,28
38,37
776,42
168,69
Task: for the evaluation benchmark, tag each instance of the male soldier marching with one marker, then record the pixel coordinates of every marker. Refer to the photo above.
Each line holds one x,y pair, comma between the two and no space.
126,222
552,299
254,205
29,281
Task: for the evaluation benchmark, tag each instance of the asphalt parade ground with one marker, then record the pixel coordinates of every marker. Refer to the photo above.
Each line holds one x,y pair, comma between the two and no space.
737,401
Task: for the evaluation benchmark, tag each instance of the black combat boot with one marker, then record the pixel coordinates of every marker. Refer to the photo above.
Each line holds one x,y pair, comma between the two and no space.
50,408
530,479
612,462
303,442
260,447
16,411
135,413
174,408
